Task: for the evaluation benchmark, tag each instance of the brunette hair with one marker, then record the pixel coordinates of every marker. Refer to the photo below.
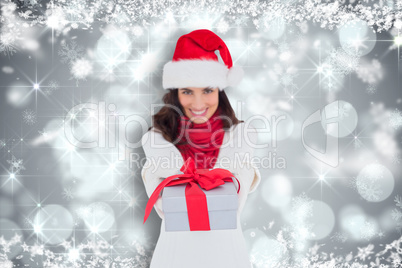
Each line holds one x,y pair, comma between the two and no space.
166,120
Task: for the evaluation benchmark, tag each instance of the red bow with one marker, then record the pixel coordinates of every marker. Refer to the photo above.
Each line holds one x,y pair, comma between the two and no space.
197,210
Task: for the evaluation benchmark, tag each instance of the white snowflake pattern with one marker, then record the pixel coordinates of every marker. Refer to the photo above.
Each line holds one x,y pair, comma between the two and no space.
294,236
29,117
352,183
80,69
381,234
44,133
4,262
51,87
223,26
367,230
97,255
8,43
371,89
137,31
287,80
70,52
339,237
302,206
374,172
342,62
10,32
365,252
68,193
396,158
396,214
371,73
16,165
369,191
240,20
31,3
342,110
395,119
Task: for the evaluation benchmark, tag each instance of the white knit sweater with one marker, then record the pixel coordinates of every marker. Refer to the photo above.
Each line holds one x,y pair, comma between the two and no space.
216,248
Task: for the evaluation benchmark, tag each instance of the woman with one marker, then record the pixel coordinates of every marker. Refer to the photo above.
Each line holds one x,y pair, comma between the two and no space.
197,121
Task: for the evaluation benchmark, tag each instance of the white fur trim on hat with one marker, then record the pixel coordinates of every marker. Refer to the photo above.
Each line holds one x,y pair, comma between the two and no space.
200,73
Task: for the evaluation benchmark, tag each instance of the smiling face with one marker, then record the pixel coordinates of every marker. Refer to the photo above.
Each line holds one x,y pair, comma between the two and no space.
199,103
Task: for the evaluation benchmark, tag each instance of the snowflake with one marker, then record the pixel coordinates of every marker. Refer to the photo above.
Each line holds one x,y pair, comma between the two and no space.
283,46
6,245
223,26
51,87
4,262
7,43
68,193
397,214
343,62
287,80
302,207
332,80
137,31
295,235
398,201
365,252
352,183
25,247
367,231
29,117
27,14
339,237
10,30
395,119
371,73
381,234
396,159
371,89
329,84
32,3
80,69
373,172
15,165
44,133
70,53
369,191
342,110
240,20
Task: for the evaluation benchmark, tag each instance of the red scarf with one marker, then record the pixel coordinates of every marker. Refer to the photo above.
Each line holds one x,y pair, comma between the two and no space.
204,140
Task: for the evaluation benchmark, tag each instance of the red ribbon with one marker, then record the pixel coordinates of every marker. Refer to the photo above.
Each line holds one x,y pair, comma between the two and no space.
195,198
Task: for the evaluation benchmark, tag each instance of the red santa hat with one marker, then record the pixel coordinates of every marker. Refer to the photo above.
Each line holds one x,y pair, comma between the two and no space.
195,63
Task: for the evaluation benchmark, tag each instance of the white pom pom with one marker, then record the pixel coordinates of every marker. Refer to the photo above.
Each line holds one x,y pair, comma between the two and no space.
235,75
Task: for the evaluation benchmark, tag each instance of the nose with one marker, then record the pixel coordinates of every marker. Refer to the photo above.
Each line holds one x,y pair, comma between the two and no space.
199,103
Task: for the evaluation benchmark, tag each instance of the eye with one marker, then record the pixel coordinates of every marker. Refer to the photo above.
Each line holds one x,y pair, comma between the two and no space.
185,92
207,91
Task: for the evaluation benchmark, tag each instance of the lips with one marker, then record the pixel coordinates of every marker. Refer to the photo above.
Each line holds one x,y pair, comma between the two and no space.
200,113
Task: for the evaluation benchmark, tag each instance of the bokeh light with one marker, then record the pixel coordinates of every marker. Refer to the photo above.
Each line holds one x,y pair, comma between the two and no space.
375,183
339,118
53,224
